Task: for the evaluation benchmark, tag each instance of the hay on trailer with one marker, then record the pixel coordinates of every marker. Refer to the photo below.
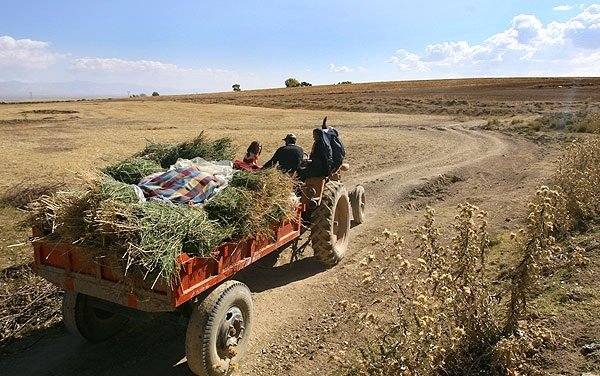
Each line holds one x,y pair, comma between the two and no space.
69,215
253,201
61,215
167,154
132,170
150,236
105,216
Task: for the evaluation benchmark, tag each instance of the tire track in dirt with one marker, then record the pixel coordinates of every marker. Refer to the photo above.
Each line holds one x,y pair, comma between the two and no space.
283,296
475,145
279,309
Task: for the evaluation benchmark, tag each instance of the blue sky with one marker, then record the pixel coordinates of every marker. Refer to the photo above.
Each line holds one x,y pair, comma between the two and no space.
194,46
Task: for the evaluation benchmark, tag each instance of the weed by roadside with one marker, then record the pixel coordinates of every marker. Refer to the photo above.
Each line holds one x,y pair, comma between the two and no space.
444,316
554,123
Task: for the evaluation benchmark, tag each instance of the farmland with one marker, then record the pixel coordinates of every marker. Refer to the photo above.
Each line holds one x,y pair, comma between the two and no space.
410,144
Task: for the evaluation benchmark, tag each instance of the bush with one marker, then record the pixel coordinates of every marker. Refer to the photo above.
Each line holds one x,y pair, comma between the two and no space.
441,315
582,121
578,181
155,94
292,82
236,87
446,318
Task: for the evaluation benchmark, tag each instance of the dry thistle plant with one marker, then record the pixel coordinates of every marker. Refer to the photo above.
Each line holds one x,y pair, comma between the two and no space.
578,180
442,315
542,254
540,250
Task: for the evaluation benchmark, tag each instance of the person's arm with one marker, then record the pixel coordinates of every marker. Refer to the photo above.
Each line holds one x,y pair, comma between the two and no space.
273,161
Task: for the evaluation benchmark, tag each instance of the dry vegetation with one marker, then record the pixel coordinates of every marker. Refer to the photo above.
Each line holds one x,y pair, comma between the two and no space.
451,317
454,311
467,97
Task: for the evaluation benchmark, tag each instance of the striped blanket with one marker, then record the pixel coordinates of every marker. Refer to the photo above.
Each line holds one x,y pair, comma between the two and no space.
188,185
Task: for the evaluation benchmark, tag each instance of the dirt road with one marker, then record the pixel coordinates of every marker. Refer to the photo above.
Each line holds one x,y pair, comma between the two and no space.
295,303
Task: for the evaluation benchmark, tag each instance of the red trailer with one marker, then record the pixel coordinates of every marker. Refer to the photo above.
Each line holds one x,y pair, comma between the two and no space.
100,296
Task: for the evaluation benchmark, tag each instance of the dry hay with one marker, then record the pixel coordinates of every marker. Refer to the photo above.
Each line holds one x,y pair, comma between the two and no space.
105,217
132,170
253,202
167,154
27,302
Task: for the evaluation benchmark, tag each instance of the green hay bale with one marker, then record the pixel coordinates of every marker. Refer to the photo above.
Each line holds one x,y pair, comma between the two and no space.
152,235
253,181
132,170
253,202
233,207
116,190
167,154
160,153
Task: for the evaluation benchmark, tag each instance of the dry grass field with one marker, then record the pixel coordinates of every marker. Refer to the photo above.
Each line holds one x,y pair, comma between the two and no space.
459,98
411,144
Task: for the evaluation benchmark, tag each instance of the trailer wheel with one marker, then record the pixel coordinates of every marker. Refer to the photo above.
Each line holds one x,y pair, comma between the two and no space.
357,201
331,224
219,329
88,322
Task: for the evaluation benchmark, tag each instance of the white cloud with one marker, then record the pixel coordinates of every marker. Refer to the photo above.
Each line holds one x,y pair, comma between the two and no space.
121,66
151,72
336,69
523,47
562,8
26,53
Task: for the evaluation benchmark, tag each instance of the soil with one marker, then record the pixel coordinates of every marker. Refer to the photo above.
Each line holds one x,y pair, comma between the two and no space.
297,303
302,315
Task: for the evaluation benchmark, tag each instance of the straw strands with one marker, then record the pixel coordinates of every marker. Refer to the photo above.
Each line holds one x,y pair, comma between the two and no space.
132,170
253,201
167,154
105,216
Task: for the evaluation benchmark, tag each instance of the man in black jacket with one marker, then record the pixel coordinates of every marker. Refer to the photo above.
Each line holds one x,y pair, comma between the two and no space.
287,157
320,160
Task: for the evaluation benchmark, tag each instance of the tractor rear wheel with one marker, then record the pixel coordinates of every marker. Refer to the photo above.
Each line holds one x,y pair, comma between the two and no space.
87,321
219,329
357,201
330,227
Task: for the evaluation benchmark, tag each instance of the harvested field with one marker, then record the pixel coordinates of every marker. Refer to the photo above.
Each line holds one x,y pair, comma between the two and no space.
411,144
465,97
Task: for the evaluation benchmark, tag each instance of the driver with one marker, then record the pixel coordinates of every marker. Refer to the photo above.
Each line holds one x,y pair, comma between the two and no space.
288,157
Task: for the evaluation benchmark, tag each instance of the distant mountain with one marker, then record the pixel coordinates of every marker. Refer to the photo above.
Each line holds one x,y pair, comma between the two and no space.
15,90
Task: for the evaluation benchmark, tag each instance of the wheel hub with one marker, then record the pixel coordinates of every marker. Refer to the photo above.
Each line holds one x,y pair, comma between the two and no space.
231,332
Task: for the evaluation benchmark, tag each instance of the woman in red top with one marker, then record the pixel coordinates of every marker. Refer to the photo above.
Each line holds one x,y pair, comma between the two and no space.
252,154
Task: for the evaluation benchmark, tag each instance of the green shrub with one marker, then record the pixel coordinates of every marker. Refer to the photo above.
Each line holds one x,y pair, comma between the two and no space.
292,82
582,121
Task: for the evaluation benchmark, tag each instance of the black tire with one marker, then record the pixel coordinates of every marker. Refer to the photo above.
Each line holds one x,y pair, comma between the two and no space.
357,201
88,322
219,329
330,227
